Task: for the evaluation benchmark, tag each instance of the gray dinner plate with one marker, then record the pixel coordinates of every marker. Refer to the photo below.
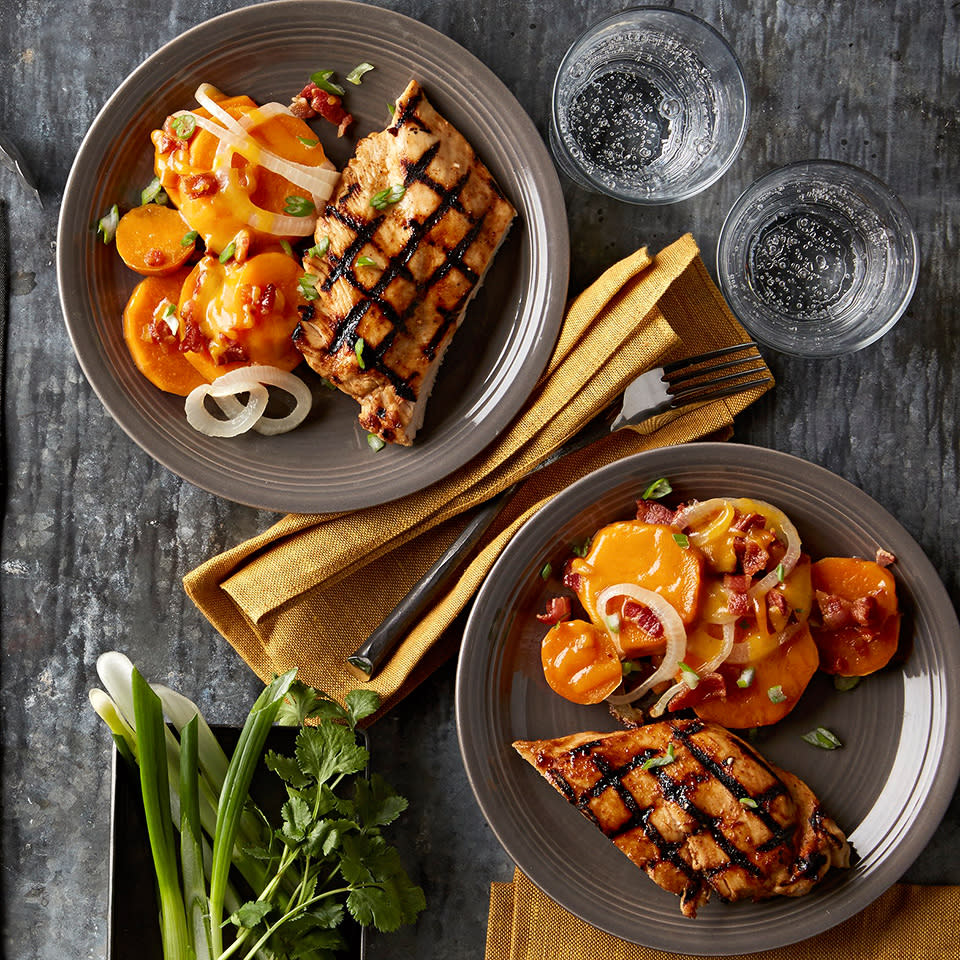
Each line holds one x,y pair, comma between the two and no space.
269,51
888,787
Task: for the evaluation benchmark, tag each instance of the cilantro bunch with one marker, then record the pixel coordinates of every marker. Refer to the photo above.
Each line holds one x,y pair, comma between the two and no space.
330,835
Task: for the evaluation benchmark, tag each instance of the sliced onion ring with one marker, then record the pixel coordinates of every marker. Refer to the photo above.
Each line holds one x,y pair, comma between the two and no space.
244,378
252,380
201,419
657,709
674,632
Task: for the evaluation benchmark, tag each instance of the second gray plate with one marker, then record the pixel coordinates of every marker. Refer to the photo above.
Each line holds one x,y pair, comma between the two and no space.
888,787
269,51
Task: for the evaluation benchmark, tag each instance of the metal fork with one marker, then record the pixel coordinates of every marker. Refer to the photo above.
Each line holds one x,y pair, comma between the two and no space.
685,382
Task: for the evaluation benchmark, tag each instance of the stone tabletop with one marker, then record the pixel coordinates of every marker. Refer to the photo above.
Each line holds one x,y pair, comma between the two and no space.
97,536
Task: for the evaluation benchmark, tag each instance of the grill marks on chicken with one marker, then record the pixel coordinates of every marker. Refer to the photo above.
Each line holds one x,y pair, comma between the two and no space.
398,276
691,824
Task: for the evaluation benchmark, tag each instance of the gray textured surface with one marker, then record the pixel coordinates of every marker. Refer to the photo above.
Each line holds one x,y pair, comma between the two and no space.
96,536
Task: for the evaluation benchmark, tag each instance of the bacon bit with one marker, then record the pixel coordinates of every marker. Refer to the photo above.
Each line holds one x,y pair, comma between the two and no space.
710,687
753,557
558,608
739,604
776,602
649,511
193,340
643,617
884,557
314,102
866,611
571,579
167,144
154,257
750,521
234,353
158,330
836,611
196,185
736,582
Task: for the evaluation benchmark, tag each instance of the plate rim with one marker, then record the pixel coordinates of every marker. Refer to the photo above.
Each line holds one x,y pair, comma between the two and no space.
544,287
944,771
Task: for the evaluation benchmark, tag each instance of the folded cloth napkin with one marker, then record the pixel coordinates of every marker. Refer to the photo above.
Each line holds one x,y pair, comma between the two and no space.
907,923
309,590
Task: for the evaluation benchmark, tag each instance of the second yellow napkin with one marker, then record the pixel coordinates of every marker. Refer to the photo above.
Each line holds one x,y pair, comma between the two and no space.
311,588
908,922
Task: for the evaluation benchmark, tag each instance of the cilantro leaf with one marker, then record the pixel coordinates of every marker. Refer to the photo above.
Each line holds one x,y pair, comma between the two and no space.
296,819
327,750
286,768
361,704
303,703
250,913
377,802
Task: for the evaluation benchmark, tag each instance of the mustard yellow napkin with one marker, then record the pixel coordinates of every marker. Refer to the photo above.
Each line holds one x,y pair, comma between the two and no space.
907,923
310,589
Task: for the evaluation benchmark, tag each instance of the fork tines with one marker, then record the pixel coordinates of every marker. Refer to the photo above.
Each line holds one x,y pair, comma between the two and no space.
688,381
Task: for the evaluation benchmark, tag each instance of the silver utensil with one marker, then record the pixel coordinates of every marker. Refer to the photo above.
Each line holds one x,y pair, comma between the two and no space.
12,159
669,387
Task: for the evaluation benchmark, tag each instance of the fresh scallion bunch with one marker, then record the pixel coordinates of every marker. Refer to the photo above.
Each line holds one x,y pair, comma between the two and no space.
326,858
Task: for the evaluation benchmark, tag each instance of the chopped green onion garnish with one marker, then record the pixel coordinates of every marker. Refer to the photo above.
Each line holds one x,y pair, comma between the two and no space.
153,193
613,622
749,802
189,238
746,678
319,248
374,442
299,206
366,262
781,572
326,384
690,676
657,489
168,311
358,350
581,549
107,227
843,684
663,761
388,196
286,248
546,571
629,666
184,125
823,738
308,286
357,72
392,107
322,79
307,142
776,694
228,251
682,540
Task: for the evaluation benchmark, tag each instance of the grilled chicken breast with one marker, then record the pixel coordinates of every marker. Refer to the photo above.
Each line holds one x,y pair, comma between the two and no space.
414,225
714,816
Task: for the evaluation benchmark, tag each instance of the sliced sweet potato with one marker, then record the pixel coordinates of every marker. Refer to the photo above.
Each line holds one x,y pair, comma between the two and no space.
858,626
580,661
777,683
650,555
152,345
150,240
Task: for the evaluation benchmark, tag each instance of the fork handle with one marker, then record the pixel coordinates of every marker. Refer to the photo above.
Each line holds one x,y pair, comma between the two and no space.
369,657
